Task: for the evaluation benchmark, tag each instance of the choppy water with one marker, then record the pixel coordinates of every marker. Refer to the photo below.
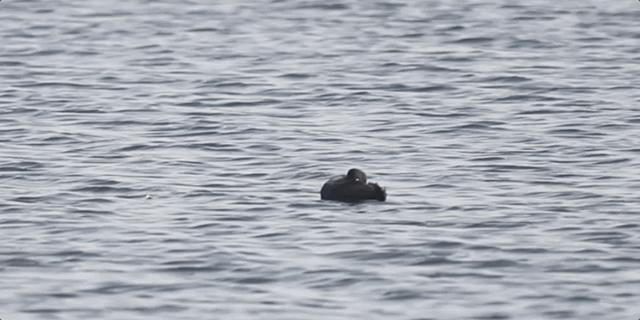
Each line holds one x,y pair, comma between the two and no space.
506,133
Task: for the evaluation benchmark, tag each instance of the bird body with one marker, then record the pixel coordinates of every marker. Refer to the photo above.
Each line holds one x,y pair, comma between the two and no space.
352,187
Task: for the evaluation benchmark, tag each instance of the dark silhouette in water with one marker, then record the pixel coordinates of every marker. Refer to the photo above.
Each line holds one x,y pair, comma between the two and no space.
352,188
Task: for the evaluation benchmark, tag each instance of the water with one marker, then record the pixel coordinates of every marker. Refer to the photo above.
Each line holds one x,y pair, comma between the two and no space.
163,159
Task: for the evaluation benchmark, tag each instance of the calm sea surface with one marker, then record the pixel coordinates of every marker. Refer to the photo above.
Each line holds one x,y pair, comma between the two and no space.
163,159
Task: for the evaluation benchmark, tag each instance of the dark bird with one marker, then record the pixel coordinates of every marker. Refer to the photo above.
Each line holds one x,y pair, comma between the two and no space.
352,188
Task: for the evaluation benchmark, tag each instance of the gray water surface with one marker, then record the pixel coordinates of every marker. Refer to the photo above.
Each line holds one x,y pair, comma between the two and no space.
162,159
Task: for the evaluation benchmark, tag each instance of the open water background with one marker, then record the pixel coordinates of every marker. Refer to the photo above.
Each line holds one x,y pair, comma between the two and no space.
506,132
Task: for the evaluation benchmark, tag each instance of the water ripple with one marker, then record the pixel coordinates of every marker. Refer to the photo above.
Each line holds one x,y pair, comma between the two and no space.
166,159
